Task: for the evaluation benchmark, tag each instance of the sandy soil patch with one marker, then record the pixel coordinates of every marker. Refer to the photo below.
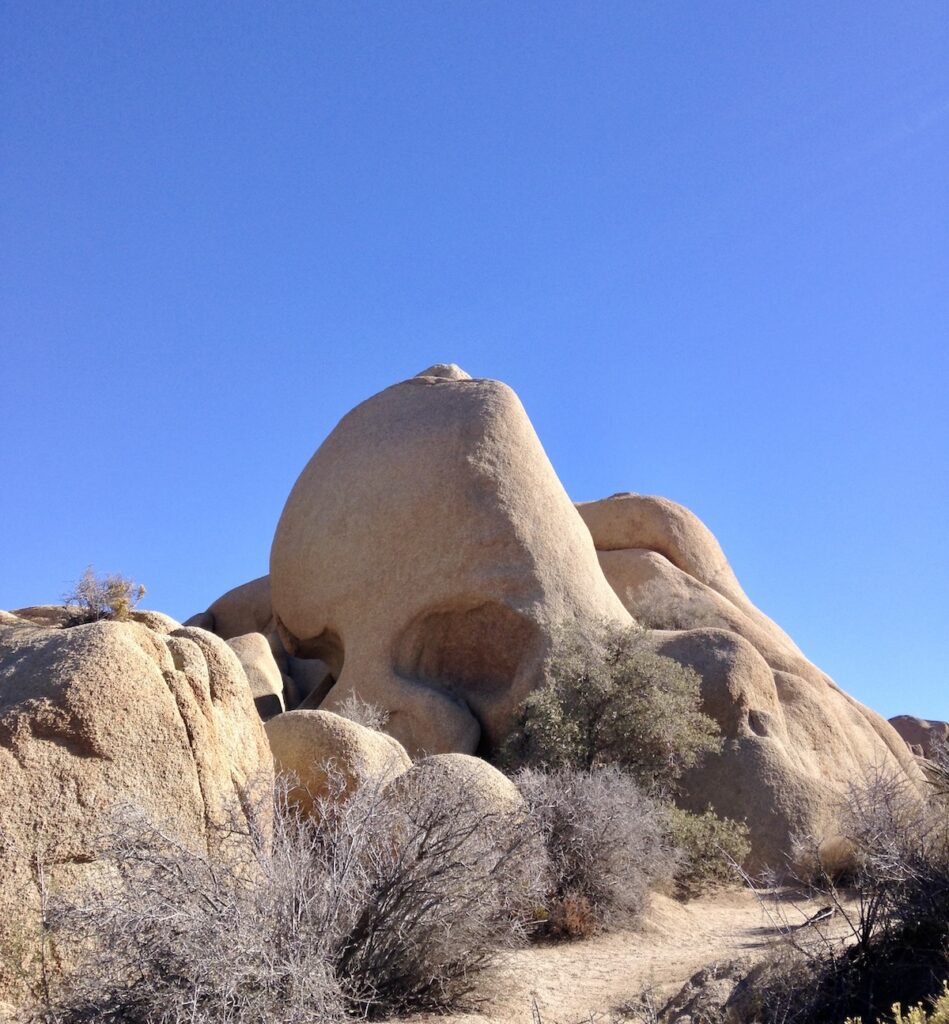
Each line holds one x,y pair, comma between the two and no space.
572,981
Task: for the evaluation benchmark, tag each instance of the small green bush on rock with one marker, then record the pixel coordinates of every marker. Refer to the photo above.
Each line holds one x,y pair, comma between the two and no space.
610,699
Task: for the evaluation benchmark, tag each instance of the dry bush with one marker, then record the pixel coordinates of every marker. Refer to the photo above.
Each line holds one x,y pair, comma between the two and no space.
166,935
605,842
610,699
93,597
380,906
895,913
431,888
363,712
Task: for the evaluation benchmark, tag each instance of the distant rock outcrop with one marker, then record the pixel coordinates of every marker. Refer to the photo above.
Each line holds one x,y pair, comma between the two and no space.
109,715
922,735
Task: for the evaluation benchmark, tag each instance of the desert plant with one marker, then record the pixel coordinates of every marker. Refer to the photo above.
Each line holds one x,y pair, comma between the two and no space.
937,1013
441,886
895,915
167,935
605,841
711,848
610,699
936,769
362,712
93,597
378,905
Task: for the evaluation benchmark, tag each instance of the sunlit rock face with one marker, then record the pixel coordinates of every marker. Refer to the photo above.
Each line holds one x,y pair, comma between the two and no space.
794,741
106,720
427,552
924,736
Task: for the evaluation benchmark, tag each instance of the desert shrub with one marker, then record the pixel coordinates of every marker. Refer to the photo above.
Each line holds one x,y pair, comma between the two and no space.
605,842
378,906
166,935
936,770
710,848
610,699
362,712
431,887
94,597
936,1013
897,918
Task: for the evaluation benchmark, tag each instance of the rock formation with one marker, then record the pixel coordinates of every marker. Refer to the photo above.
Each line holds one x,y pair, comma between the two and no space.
488,791
247,609
922,735
111,715
794,740
426,553
424,562
266,683
308,745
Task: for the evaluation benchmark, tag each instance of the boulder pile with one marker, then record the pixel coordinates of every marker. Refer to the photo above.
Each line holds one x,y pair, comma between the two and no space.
108,718
428,554
923,736
425,562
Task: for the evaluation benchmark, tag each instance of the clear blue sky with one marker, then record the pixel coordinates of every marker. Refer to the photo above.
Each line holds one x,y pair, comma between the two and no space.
708,244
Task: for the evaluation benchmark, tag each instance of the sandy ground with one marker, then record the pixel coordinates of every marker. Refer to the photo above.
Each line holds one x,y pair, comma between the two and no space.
574,981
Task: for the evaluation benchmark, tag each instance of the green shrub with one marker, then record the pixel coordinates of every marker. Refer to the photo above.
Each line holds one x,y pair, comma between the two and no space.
93,597
711,847
610,699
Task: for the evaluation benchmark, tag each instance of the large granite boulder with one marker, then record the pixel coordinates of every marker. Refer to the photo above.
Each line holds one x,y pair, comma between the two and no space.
451,778
427,552
311,746
244,609
108,716
793,740
257,660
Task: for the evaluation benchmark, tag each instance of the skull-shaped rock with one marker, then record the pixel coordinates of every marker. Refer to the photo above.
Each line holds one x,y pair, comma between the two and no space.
428,553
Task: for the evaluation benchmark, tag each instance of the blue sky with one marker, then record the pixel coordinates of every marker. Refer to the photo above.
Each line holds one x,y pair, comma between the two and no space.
707,243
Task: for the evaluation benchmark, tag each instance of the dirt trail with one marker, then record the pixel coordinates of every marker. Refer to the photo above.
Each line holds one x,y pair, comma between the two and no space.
571,981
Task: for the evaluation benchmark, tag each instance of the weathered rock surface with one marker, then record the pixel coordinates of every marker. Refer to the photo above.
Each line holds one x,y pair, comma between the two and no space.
159,622
247,609
924,734
244,609
792,745
50,615
642,522
306,743
485,790
706,995
793,740
108,715
426,553
266,683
